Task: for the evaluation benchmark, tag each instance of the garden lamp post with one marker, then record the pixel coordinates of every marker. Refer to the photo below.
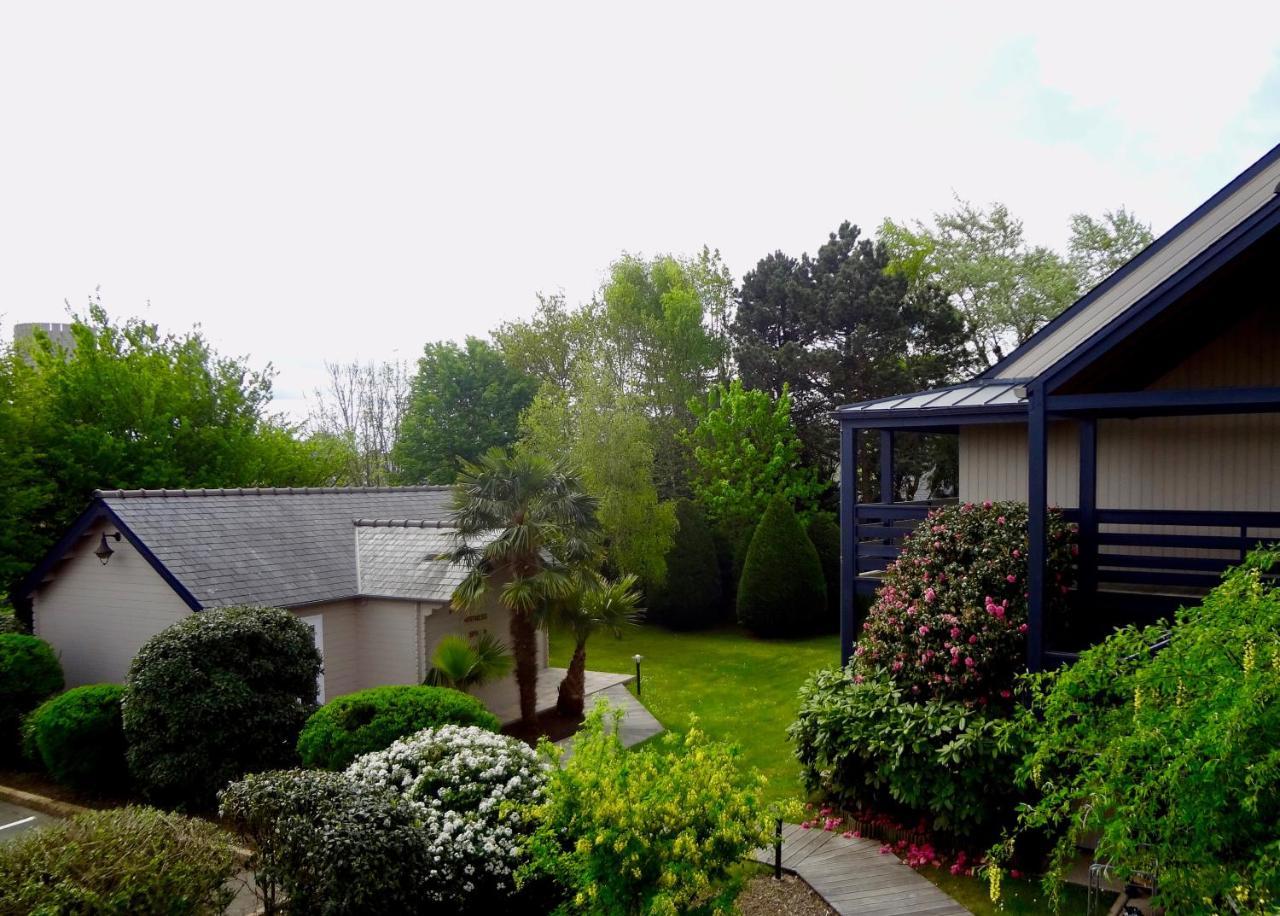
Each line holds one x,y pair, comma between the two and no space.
637,658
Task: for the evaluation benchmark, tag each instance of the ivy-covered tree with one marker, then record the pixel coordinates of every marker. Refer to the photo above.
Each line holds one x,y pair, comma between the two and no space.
746,452
130,407
463,401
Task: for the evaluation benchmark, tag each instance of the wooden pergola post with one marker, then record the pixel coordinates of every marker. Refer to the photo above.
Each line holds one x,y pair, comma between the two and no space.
848,537
1037,511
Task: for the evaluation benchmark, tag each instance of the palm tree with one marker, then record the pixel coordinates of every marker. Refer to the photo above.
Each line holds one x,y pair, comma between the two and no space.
462,664
525,526
600,604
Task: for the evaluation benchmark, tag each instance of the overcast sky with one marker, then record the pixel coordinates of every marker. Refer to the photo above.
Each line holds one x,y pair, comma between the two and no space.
315,181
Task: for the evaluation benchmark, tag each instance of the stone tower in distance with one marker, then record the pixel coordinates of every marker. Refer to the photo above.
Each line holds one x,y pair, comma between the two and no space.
60,332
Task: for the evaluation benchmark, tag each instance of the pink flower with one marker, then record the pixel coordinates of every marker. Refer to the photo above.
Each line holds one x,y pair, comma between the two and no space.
973,640
1000,520
1017,553
805,825
1011,578
969,662
930,594
923,631
1023,628
848,834
1014,873
986,504
955,632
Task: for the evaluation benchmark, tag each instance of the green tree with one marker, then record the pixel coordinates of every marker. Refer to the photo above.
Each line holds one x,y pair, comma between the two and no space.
745,452
607,437
597,604
462,402
130,407
525,528
692,596
1100,247
782,591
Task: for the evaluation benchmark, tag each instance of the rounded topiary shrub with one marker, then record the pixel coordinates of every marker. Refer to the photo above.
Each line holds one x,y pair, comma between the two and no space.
369,720
78,737
29,674
125,860
330,844
474,792
691,597
782,591
825,534
217,695
951,617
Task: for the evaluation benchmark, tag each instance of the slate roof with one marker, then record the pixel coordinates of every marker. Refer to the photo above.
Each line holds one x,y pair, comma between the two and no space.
398,559
270,546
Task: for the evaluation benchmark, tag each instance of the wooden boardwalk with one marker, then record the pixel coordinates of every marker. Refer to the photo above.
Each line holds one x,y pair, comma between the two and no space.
853,876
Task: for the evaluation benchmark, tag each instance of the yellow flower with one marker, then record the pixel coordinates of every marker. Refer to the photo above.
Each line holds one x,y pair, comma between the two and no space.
1250,657
993,883
1137,700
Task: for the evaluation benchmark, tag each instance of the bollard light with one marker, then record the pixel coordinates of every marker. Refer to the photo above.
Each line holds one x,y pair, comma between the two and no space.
637,659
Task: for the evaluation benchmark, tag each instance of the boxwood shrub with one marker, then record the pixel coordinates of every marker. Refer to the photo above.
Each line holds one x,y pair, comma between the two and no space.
330,844
369,720
29,674
782,591
217,695
125,860
78,737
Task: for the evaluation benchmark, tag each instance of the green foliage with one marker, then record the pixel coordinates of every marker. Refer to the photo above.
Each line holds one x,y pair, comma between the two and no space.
1169,757
525,525
29,674
951,616
597,604
122,862
219,694
329,844
462,664
369,720
9,622
745,451
462,402
79,738
782,591
656,830
692,596
609,438
825,534
837,328
869,744
130,407
1099,247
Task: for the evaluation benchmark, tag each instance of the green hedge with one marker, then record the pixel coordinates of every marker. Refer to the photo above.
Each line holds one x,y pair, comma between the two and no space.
369,720
825,534
217,695
78,737
29,674
123,861
691,597
782,592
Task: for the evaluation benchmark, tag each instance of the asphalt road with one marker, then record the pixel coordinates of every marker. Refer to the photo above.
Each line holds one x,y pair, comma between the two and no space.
16,820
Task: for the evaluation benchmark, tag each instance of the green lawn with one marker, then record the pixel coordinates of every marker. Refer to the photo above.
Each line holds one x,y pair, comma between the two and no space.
741,688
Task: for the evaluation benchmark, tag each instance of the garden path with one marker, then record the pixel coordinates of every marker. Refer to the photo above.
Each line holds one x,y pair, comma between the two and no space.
853,876
638,724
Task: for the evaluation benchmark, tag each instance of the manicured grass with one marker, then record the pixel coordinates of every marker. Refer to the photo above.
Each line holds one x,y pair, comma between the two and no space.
741,688
1023,896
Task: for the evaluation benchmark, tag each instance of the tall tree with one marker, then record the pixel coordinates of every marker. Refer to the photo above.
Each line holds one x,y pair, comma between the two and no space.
839,327
462,402
1099,247
524,527
714,283
362,408
130,407
597,604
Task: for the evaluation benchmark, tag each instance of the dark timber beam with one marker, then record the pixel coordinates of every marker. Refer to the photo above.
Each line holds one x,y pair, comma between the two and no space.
1087,564
848,537
1187,402
1037,508
886,466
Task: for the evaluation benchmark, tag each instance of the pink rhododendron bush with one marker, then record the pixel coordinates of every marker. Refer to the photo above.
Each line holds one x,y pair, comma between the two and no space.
913,726
951,618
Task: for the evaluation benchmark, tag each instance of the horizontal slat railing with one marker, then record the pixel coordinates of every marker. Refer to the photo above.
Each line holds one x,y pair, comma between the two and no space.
881,528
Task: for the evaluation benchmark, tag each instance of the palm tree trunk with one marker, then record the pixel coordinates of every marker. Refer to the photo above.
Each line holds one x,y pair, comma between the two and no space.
524,646
570,700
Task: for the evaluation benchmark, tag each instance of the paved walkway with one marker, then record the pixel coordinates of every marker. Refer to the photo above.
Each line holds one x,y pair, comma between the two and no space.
549,686
853,876
638,724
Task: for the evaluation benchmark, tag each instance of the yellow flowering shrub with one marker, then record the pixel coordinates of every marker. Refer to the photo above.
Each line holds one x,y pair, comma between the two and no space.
651,831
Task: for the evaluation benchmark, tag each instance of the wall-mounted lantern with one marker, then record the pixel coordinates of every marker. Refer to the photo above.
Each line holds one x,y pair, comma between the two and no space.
104,551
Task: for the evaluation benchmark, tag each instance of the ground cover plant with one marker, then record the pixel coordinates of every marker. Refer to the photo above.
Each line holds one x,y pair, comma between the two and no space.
1169,755
107,862
217,695
78,737
370,720
658,830
29,674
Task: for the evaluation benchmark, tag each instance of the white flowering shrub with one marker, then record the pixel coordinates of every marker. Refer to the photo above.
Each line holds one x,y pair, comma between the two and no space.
473,791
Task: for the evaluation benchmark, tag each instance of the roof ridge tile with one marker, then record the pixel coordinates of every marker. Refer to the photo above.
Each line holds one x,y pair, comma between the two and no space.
259,491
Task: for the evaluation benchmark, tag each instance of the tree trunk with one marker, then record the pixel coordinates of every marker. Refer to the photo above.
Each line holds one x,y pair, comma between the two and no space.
524,646
570,700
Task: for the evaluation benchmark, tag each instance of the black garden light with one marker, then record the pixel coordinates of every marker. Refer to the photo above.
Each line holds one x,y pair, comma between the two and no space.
637,658
104,551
